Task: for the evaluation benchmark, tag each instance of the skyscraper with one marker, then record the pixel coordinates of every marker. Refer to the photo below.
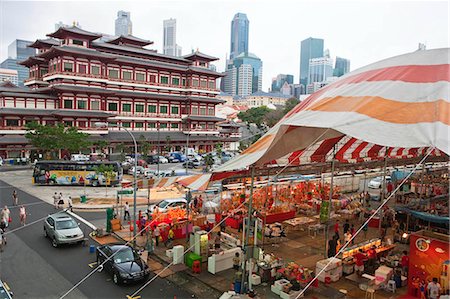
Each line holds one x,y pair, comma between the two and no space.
244,75
18,51
310,48
341,67
279,81
123,23
320,69
239,35
170,46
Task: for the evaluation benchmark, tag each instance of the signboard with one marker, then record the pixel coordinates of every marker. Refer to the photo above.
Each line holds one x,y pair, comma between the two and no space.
125,191
324,209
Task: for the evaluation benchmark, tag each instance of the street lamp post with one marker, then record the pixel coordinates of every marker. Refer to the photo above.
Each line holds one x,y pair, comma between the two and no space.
99,124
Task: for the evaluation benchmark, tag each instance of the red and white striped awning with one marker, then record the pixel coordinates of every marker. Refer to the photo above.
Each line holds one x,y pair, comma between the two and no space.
349,150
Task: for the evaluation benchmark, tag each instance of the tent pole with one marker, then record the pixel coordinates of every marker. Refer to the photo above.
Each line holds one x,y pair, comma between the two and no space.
265,208
247,233
327,231
383,186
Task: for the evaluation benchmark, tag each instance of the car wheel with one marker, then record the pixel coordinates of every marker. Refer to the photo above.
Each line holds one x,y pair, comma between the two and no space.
54,243
94,183
115,278
45,233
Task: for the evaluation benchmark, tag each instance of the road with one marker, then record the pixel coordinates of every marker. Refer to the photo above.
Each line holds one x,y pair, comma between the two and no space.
34,269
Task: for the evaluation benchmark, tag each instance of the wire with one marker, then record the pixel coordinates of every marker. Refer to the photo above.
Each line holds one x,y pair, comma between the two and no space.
365,223
218,224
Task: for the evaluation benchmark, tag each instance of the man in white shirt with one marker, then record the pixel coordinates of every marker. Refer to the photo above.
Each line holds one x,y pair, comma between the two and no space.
434,289
126,209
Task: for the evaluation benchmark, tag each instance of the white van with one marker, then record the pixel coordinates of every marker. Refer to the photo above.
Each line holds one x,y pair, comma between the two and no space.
79,157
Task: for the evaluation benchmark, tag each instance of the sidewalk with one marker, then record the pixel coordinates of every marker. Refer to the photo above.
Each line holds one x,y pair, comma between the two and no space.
97,197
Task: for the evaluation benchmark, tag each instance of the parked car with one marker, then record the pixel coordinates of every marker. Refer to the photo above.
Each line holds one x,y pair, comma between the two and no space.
152,159
61,228
163,160
124,263
172,159
179,156
79,157
191,164
377,182
140,170
5,292
164,205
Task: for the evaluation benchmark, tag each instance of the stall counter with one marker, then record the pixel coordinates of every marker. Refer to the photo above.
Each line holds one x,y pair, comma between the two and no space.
223,260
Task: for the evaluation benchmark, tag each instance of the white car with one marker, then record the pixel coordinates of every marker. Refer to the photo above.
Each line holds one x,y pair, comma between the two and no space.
140,170
163,160
164,205
376,183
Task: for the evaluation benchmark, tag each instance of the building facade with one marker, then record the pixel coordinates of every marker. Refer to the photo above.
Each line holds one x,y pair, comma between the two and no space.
239,35
279,81
243,75
170,46
18,50
268,99
7,75
123,25
320,69
309,48
78,80
341,67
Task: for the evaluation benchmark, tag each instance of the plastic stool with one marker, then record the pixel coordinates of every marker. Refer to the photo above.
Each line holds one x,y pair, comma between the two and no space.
391,286
370,293
196,268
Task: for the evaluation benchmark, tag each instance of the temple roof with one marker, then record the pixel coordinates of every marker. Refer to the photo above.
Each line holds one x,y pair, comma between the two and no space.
200,56
130,40
76,50
63,32
53,112
203,117
44,43
33,60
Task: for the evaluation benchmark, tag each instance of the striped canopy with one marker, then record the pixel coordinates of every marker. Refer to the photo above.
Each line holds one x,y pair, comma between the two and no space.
401,103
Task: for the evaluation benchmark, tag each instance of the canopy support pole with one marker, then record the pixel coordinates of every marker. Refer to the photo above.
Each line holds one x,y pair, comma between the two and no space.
383,187
247,234
327,231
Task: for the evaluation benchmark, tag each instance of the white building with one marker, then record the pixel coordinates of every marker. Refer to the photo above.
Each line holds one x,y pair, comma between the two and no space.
320,69
245,73
268,99
9,75
123,25
170,46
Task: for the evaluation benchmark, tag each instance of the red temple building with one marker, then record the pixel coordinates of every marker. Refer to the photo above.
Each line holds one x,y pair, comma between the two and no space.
79,79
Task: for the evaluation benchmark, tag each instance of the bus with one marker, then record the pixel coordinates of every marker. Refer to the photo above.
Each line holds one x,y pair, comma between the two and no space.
75,173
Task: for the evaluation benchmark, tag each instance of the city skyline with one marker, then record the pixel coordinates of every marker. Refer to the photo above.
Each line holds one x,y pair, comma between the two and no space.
384,29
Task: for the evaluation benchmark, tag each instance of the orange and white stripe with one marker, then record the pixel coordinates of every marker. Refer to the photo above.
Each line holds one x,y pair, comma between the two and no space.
401,102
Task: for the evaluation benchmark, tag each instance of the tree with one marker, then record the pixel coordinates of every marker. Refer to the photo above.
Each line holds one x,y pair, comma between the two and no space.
209,160
254,115
290,104
218,148
168,146
144,145
51,139
107,171
101,144
271,118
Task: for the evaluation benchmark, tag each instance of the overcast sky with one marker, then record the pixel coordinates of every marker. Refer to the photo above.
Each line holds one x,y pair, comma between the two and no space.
362,31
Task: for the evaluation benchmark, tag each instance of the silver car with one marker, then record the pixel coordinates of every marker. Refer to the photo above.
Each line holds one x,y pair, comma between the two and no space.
62,229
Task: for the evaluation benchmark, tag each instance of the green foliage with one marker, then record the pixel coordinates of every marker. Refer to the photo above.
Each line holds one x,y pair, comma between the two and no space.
209,160
290,104
144,145
101,144
254,115
218,147
107,171
51,139
274,116
168,146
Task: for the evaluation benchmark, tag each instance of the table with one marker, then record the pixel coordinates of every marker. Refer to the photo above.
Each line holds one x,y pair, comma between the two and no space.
315,228
297,223
279,217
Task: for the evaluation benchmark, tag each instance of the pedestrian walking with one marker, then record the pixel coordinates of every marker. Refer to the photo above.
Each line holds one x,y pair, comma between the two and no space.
69,202
5,217
157,234
55,200
60,201
170,237
22,215
126,213
336,228
15,198
346,226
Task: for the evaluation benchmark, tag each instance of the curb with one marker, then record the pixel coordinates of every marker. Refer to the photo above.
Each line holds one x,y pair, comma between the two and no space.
100,207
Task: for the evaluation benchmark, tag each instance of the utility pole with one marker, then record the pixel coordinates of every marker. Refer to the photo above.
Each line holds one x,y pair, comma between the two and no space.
247,234
330,203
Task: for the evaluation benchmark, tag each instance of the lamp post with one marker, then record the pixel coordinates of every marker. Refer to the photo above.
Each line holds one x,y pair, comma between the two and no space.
104,124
